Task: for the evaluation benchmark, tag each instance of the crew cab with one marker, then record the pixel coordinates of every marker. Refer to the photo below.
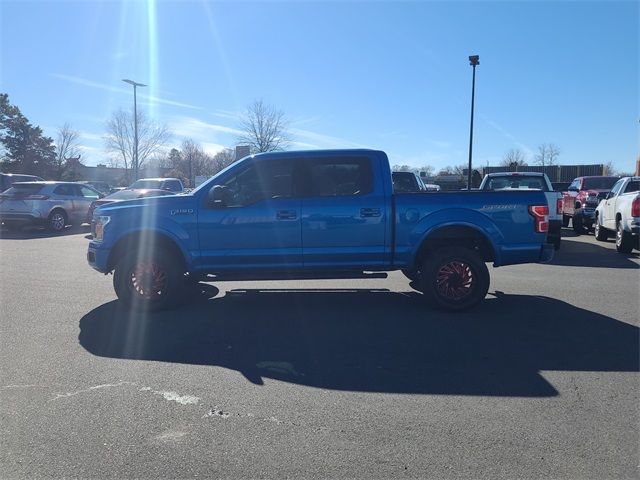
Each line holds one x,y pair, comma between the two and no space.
580,200
619,212
315,214
516,181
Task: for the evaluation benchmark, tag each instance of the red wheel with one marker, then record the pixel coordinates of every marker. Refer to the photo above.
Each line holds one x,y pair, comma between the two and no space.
455,278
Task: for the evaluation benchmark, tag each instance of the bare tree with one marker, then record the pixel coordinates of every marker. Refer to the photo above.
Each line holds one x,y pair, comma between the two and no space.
120,141
67,146
264,128
547,154
514,158
223,159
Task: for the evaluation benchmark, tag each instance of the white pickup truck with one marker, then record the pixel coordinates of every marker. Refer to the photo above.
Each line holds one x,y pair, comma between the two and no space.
530,181
619,212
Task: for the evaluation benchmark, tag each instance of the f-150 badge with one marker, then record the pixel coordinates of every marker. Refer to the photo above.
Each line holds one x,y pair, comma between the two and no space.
182,211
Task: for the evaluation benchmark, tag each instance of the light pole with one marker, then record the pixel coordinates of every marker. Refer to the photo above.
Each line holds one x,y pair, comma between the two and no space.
474,60
135,126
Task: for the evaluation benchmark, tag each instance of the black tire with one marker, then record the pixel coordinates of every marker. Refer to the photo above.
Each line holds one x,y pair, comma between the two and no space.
599,231
413,275
565,221
576,223
149,282
624,240
454,278
57,220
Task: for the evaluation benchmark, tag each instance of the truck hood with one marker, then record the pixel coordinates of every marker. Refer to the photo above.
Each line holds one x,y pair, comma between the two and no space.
162,205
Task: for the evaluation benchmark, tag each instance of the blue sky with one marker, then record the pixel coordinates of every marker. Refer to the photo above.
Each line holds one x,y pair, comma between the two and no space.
386,75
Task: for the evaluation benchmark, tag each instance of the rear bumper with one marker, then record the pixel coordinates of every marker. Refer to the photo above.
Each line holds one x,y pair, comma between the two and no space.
20,219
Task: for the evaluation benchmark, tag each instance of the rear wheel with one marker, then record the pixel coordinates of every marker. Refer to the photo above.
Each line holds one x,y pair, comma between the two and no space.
57,220
454,278
578,226
624,240
149,281
599,231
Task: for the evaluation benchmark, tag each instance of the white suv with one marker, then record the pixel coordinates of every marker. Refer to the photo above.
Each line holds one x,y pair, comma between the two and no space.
50,204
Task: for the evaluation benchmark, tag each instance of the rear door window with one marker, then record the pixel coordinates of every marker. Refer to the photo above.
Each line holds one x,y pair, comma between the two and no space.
334,177
66,191
632,186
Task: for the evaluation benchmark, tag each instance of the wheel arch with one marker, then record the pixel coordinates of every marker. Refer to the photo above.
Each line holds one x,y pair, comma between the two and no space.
149,241
457,235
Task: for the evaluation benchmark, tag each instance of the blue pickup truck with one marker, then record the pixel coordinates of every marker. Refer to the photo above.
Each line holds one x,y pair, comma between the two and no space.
315,214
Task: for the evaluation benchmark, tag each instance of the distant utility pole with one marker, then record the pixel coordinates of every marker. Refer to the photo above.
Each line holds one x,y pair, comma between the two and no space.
135,127
474,60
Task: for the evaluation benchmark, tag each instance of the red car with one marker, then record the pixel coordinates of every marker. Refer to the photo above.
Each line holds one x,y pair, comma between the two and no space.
579,202
127,194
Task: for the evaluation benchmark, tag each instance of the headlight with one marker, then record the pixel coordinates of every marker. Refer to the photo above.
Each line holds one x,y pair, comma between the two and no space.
101,222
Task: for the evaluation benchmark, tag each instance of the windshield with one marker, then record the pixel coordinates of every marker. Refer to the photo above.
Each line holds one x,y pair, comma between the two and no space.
123,195
138,184
599,183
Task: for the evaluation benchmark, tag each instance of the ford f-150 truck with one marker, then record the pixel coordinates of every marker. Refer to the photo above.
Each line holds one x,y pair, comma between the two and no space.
620,212
315,214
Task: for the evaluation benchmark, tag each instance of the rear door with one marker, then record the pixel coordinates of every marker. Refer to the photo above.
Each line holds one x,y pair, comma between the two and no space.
344,219
81,203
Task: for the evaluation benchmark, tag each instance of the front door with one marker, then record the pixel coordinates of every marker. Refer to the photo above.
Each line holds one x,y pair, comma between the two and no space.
258,224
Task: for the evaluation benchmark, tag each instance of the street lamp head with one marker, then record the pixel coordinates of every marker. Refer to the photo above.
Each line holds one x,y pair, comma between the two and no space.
131,82
474,60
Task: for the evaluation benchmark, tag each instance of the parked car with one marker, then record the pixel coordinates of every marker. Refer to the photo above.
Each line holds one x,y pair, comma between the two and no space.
172,184
580,200
126,194
518,181
619,212
103,187
8,179
50,204
315,214
407,182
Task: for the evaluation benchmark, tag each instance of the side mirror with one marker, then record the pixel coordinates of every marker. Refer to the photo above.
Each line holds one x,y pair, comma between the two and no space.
218,196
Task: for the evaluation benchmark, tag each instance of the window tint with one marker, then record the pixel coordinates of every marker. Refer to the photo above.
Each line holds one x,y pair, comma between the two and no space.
404,182
599,183
88,192
65,190
632,186
26,189
339,177
260,181
173,185
516,181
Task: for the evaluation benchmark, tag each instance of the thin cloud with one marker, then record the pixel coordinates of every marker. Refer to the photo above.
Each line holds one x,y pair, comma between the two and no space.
111,88
320,140
195,128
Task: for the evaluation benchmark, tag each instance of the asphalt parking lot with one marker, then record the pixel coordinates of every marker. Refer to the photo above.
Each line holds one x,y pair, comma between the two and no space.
330,379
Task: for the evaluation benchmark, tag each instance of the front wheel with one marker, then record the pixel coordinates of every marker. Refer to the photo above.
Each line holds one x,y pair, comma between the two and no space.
454,278
149,281
624,240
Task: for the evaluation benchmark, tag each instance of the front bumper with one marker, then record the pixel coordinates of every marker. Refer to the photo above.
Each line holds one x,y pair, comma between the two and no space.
98,257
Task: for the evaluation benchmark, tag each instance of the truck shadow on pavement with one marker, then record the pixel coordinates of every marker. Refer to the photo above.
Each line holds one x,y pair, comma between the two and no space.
574,253
372,340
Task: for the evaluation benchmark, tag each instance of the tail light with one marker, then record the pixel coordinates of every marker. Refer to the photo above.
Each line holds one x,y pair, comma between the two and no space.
635,207
540,215
559,205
